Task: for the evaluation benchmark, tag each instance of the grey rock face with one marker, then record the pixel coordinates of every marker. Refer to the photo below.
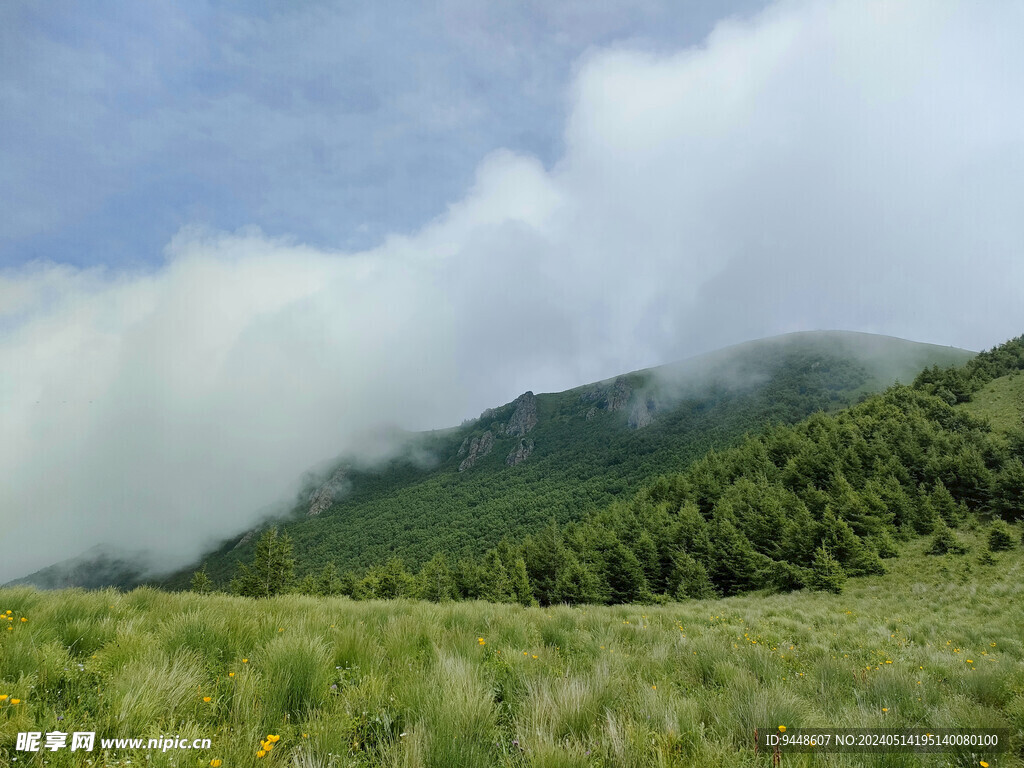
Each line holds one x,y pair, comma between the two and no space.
640,415
618,395
326,494
520,453
525,416
245,539
463,448
610,397
478,448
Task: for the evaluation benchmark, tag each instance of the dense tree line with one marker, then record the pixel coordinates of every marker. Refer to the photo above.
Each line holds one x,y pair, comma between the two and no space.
957,384
794,506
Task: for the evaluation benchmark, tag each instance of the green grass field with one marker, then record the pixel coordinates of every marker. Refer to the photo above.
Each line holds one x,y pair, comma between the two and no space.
936,642
1002,402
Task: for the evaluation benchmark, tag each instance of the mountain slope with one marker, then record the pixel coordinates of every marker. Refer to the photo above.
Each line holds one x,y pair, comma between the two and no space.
560,456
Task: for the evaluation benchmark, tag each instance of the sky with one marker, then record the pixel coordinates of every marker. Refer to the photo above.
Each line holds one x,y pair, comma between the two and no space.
237,240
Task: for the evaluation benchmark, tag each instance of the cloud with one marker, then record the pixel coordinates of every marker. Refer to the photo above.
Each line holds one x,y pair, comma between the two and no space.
830,165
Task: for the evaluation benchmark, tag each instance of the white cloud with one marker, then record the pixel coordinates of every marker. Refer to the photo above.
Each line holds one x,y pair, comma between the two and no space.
829,165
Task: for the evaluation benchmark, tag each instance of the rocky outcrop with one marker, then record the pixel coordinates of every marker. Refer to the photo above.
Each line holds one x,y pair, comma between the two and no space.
463,448
245,539
640,415
524,418
618,395
608,397
327,493
478,448
520,453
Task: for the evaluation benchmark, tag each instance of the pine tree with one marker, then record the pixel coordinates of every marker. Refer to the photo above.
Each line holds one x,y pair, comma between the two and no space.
1000,537
496,585
826,574
945,505
520,582
544,554
625,575
393,580
272,569
577,583
328,583
732,563
689,579
1009,490
435,581
852,553
945,542
201,583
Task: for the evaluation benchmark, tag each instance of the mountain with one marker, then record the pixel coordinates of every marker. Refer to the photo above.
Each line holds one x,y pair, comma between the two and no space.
551,456
562,455
97,567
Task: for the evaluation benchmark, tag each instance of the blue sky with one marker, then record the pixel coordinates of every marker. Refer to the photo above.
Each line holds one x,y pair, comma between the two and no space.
232,246
330,123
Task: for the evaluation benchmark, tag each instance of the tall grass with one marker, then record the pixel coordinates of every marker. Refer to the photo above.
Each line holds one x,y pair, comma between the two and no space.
473,684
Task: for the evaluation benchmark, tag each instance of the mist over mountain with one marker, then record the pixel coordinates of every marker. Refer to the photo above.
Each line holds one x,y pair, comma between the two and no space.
552,456
801,165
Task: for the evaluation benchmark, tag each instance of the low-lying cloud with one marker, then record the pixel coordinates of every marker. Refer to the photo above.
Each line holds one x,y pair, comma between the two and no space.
829,165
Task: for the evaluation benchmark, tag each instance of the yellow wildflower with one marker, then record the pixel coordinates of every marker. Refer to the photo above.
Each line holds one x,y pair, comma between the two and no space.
206,699
260,753
15,701
216,763
782,729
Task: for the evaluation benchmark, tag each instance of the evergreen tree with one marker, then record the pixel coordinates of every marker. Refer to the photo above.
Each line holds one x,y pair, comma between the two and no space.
852,553
577,583
923,521
944,542
945,505
393,580
272,569
201,583
826,574
732,563
624,575
646,552
689,579
468,579
520,583
1000,537
1009,490
328,583
495,583
435,581
307,586
544,555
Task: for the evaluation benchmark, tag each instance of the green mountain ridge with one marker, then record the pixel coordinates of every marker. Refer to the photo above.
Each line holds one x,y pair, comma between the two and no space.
554,456
563,455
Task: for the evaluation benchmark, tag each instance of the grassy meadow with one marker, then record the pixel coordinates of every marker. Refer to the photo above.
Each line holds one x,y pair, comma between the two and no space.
936,642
